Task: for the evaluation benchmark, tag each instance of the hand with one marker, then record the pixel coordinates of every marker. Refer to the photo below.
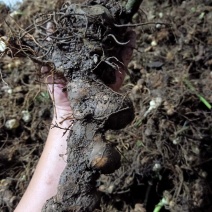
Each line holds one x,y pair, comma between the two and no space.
59,96
126,55
56,88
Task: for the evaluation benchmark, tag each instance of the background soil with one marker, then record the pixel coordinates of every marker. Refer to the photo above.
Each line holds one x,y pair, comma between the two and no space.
166,151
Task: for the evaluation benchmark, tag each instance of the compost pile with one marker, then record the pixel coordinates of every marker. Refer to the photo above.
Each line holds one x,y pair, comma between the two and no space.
166,151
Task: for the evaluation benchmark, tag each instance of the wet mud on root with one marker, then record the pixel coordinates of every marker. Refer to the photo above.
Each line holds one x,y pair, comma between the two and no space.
167,148
76,41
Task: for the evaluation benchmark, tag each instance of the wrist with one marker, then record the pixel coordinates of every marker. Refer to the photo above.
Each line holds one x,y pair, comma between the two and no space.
62,117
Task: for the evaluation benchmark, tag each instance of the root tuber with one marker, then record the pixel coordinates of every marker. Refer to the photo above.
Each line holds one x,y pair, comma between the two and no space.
83,44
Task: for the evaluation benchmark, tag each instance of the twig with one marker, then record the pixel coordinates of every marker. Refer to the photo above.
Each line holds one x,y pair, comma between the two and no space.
4,82
140,24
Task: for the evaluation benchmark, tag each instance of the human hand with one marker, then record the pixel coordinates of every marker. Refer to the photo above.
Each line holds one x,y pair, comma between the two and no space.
126,55
56,88
59,96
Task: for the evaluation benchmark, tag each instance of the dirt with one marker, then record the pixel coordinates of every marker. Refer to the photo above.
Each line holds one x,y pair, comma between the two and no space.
166,151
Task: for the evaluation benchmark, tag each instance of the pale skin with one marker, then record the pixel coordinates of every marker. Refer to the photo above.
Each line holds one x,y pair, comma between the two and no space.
52,162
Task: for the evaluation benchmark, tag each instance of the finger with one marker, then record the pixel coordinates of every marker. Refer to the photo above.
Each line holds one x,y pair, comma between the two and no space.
126,55
120,75
128,50
50,77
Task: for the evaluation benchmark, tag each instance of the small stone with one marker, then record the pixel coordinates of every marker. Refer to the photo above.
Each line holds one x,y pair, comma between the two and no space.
102,188
7,89
12,124
110,189
26,116
160,15
158,26
154,43
18,89
95,58
3,45
176,141
157,167
155,64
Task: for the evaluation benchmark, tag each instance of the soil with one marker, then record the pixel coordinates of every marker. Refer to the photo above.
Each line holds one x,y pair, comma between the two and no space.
166,151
